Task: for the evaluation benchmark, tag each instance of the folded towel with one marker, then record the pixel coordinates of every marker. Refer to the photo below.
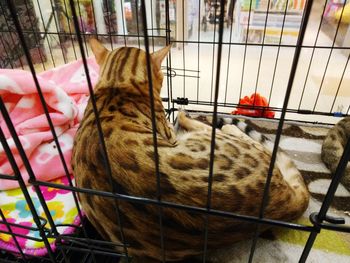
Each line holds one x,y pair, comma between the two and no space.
66,93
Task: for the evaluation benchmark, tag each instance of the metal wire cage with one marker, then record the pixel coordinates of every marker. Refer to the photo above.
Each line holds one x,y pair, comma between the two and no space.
32,43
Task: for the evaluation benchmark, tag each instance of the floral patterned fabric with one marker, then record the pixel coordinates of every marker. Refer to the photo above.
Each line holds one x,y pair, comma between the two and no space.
15,209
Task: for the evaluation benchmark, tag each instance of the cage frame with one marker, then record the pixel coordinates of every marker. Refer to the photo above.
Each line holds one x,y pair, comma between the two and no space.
319,219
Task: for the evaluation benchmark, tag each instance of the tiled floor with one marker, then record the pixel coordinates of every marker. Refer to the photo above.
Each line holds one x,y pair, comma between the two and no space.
321,82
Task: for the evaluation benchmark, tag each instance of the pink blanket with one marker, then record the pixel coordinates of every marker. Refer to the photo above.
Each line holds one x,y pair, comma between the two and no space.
66,94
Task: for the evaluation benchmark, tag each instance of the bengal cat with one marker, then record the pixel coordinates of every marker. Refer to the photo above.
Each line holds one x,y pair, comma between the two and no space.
333,148
240,167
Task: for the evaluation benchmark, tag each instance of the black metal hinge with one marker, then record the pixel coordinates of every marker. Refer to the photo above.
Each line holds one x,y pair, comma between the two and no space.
181,101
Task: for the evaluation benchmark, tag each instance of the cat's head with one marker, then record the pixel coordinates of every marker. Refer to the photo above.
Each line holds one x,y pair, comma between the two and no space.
126,64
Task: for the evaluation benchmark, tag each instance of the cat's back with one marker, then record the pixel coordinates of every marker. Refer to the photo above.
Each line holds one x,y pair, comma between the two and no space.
334,143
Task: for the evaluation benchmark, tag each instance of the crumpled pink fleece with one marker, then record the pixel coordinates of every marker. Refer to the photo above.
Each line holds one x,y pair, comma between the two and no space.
66,93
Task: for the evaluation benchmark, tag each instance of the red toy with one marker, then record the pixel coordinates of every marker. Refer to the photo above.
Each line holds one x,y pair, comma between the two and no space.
255,100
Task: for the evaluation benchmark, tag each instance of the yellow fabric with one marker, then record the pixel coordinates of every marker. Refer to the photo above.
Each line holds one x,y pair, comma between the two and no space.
328,241
346,14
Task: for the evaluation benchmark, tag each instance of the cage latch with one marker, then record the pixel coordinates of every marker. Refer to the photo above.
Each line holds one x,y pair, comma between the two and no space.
181,101
332,223
335,220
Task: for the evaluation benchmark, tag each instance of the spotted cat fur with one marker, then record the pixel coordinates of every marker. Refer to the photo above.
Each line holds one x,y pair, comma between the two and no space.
240,167
333,148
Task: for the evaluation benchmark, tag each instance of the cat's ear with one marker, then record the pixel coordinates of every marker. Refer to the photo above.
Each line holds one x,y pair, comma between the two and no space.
99,50
159,55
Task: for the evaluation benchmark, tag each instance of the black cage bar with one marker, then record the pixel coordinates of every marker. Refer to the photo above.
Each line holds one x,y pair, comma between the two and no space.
65,36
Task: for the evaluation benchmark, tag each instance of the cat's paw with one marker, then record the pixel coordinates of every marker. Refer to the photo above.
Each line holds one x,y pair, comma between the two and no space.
182,116
180,121
183,113
232,130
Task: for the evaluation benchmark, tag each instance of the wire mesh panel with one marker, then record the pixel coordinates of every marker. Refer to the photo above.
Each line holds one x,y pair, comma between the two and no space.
289,52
